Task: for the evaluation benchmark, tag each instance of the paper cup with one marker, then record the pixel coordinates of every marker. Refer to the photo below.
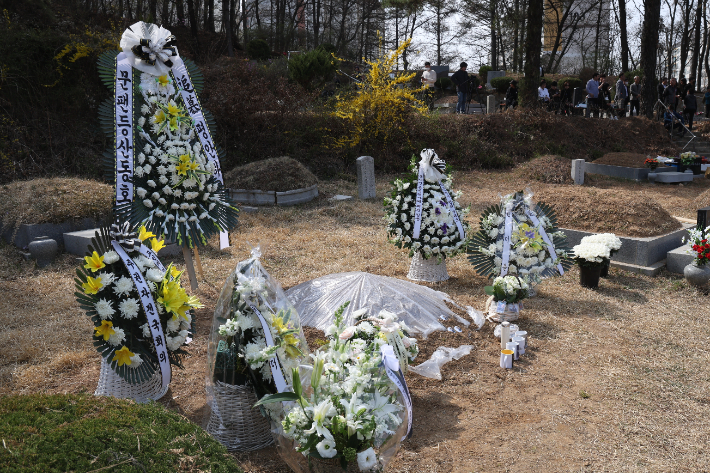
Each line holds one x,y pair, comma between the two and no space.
513,346
521,345
522,334
506,359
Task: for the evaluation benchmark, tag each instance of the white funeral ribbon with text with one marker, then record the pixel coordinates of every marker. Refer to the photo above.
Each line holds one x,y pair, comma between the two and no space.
507,233
123,121
550,247
277,374
394,372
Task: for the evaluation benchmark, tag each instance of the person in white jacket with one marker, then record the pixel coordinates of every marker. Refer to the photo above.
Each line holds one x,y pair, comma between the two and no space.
428,80
543,94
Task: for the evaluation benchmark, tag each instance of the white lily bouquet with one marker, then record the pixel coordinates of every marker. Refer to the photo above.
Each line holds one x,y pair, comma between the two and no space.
350,414
164,161
142,316
422,212
385,327
519,238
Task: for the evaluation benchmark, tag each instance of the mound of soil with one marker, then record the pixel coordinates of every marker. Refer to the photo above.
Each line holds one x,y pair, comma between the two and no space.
53,200
551,169
274,174
624,212
702,200
630,160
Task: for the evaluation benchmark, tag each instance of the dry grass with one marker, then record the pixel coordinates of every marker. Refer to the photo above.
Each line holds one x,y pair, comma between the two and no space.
275,174
550,169
614,379
631,160
53,200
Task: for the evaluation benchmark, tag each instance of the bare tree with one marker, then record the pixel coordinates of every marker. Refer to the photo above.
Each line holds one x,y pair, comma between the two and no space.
649,45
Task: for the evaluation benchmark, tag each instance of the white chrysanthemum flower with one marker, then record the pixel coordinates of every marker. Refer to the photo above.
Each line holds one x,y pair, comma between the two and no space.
141,192
173,343
129,308
118,337
173,325
138,171
104,309
123,286
106,278
154,275
148,203
110,257
151,183
163,180
136,361
177,192
162,201
147,168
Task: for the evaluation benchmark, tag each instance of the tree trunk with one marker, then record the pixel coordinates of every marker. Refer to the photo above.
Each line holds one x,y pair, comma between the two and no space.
494,41
193,24
244,22
516,18
180,12
533,45
316,23
623,36
153,10
649,45
696,43
685,39
165,14
227,27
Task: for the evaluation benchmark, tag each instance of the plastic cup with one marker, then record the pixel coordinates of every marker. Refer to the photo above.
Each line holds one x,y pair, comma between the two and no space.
513,346
506,359
521,345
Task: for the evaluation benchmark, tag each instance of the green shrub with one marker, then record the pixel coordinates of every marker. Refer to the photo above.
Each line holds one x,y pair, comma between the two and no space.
328,48
81,433
574,82
483,73
258,49
501,84
312,68
443,83
631,74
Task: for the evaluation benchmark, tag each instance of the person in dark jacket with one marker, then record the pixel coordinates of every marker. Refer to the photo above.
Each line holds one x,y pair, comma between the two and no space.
566,97
670,95
673,121
511,96
691,106
462,83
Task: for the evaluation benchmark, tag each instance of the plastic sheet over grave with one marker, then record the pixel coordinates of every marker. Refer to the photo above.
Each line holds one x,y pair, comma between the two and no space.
418,306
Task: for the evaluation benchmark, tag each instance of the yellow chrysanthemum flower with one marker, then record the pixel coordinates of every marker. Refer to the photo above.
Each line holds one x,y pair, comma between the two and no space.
157,245
92,286
94,262
145,234
105,329
123,356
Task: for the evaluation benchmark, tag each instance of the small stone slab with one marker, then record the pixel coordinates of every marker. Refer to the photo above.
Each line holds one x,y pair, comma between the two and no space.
253,197
652,270
578,171
636,174
28,232
297,196
366,177
673,177
248,209
678,259
491,103
340,197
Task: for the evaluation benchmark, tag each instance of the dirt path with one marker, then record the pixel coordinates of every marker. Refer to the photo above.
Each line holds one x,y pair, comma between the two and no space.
614,379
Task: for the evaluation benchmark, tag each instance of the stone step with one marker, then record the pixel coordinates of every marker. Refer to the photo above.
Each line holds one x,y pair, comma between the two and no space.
77,243
678,259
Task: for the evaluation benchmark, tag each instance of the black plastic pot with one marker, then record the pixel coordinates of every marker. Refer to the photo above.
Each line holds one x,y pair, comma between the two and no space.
589,276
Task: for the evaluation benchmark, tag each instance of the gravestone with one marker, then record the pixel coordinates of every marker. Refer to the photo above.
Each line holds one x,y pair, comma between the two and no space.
578,96
366,177
703,217
578,171
493,75
491,103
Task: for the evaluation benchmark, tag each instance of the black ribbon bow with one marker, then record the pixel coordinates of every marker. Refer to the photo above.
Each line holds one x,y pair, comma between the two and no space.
123,235
437,163
144,51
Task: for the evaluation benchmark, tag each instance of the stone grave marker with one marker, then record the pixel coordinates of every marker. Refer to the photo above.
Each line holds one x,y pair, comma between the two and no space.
703,217
578,171
365,177
491,103
493,75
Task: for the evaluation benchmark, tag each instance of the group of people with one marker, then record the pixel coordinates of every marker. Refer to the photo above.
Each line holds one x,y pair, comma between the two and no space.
599,96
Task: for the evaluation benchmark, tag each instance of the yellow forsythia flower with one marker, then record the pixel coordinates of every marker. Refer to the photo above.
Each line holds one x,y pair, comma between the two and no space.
94,262
123,356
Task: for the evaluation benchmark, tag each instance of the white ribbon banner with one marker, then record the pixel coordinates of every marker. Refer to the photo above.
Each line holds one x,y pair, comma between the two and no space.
151,312
192,102
123,121
452,207
418,204
508,231
277,374
394,372
550,247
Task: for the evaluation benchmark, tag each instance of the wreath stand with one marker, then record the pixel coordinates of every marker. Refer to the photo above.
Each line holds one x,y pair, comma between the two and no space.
190,265
428,270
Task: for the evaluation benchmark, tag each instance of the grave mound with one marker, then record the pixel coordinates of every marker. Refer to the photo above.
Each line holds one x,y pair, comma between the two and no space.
629,160
551,169
53,200
702,200
273,174
626,213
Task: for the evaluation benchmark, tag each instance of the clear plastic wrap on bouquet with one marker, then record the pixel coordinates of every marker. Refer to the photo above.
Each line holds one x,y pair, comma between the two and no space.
256,340
350,409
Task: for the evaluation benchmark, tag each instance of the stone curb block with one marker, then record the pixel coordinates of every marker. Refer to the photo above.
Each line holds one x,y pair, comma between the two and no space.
259,197
635,174
28,232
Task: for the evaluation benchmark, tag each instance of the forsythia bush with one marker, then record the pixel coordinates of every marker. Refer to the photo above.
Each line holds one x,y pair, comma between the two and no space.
379,109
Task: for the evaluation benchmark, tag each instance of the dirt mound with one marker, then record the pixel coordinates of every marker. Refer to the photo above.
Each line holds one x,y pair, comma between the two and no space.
551,169
53,200
274,174
626,213
631,160
702,200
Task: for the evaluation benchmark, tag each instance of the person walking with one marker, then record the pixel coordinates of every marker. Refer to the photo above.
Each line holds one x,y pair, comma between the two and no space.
593,95
635,97
461,81
511,95
622,94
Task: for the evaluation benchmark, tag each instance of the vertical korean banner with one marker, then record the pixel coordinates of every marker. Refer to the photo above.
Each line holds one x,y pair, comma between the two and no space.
123,103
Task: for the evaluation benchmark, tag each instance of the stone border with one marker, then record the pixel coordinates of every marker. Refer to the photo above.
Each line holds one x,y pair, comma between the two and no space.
28,232
635,174
259,197
641,252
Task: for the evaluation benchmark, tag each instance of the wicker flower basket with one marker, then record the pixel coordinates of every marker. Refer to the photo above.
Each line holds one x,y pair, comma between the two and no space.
234,423
498,316
428,270
111,384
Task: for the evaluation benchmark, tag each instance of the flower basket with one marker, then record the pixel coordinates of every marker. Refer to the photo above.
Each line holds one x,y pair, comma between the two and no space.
234,422
331,465
428,270
111,384
502,313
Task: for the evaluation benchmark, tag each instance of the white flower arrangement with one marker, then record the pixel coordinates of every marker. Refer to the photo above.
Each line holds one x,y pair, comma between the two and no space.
510,289
439,236
591,253
353,408
109,296
529,254
608,239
